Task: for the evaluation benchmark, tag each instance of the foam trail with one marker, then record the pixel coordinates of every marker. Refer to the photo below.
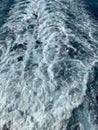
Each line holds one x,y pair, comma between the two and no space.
47,52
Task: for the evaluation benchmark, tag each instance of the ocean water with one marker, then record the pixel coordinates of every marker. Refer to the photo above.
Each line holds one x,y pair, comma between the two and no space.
49,65
92,7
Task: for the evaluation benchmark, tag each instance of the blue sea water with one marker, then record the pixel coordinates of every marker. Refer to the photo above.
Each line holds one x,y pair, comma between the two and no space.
92,7
5,7
49,65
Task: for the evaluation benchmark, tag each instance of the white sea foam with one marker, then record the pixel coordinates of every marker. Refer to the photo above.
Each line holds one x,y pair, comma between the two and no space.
40,91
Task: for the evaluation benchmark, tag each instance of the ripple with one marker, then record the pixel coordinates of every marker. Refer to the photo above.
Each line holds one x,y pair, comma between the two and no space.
48,66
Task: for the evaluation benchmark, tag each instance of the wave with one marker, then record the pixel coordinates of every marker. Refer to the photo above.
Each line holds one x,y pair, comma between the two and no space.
48,50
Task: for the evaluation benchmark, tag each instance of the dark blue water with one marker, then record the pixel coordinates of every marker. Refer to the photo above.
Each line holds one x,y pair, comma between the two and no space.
92,8
5,7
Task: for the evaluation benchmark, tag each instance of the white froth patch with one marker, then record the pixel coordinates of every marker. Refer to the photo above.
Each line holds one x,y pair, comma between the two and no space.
40,91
